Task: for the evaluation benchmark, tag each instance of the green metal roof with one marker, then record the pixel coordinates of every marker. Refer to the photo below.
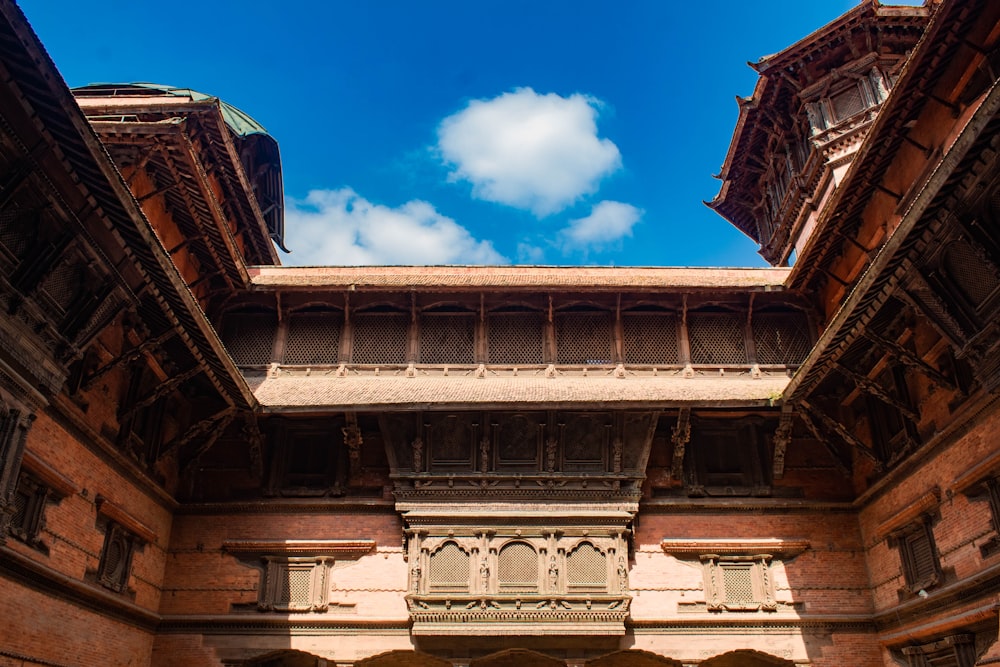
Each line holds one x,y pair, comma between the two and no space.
238,121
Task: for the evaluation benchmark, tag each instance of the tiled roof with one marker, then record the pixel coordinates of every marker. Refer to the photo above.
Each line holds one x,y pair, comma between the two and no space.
528,277
301,393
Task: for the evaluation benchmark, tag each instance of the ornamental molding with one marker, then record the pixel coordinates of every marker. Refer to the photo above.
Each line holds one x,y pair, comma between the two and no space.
687,548
334,548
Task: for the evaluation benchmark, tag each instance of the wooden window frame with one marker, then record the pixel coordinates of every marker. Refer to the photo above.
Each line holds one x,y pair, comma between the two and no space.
713,568
116,576
906,540
277,570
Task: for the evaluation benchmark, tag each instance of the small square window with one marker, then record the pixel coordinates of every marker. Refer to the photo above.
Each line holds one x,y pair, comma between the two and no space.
294,584
116,558
738,583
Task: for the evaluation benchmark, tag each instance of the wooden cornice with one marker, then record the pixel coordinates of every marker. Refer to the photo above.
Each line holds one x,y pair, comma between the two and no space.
115,512
335,548
48,475
912,511
691,548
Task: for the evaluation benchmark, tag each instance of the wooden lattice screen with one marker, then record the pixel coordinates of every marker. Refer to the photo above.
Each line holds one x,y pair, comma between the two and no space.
515,338
651,338
586,568
249,337
517,568
313,338
447,338
380,338
584,338
780,338
449,569
717,339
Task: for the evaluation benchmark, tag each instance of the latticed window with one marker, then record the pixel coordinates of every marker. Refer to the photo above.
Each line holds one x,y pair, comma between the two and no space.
380,338
249,337
29,506
16,231
848,102
584,338
586,568
61,286
516,338
449,569
918,555
738,583
313,338
294,584
975,277
780,338
116,558
447,339
717,339
517,568
651,338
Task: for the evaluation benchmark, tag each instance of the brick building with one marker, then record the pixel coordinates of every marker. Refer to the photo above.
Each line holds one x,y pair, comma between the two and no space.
210,459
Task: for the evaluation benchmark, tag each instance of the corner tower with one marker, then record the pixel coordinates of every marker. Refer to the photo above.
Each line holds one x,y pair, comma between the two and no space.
813,105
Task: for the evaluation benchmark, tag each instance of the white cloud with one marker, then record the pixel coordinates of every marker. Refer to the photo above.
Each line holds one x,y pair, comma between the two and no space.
340,227
535,152
609,221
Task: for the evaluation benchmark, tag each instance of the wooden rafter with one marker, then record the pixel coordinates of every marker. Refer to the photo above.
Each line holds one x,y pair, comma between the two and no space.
910,359
833,450
873,388
832,424
125,358
161,390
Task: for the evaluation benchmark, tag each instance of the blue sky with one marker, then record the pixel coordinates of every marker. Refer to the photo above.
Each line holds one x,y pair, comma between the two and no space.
452,132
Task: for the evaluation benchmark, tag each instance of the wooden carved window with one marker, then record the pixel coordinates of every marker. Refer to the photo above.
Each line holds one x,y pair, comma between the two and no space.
515,338
738,583
448,569
651,338
918,555
313,338
380,338
17,227
294,584
116,558
447,338
726,460
517,568
249,337
951,651
586,569
29,507
308,459
781,337
975,278
584,338
717,339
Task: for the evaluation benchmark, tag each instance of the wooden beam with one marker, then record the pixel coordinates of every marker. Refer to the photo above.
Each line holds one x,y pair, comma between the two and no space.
162,389
833,450
871,387
910,359
835,426
132,355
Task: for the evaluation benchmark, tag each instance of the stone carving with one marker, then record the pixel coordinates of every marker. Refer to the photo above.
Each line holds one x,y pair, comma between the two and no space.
553,574
622,575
